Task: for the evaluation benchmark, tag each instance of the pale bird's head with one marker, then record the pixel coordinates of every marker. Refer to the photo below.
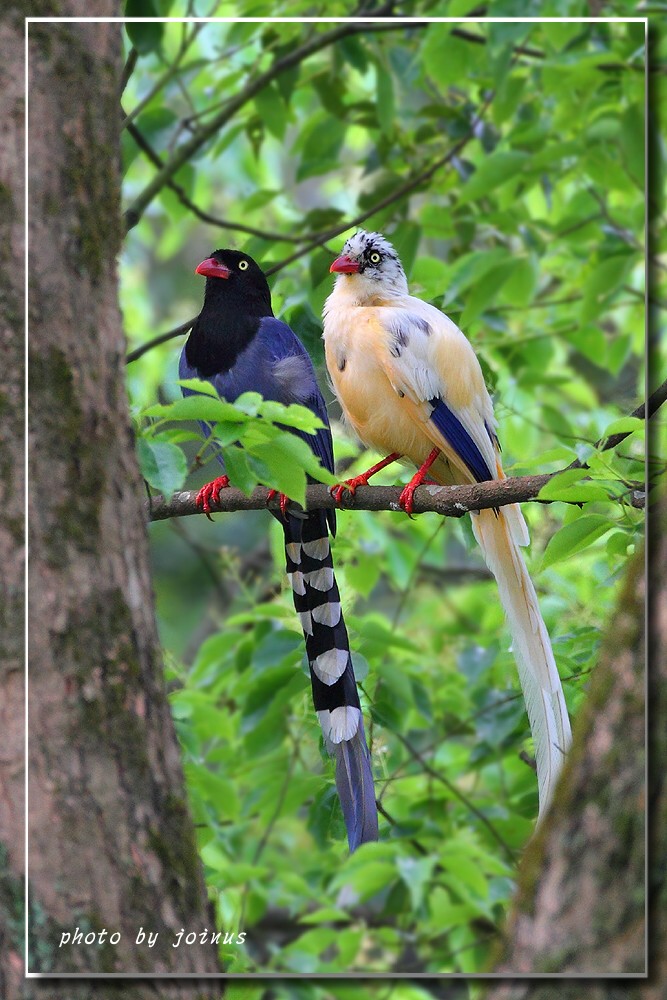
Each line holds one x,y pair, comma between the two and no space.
369,267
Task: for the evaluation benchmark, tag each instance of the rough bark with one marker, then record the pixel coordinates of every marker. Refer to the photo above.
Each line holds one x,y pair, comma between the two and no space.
449,501
111,841
581,902
11,506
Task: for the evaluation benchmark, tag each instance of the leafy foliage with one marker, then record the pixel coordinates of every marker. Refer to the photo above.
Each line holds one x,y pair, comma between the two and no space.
504,161
250,434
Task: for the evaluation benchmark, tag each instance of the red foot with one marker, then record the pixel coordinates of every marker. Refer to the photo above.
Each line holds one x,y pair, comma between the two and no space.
362,480
407,497
350,485
284,500
211,493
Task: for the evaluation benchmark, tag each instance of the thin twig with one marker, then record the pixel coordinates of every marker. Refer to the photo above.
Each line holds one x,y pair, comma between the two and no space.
212,220
166,77
162,339
293,58
314,240
128,68
459,795
400,192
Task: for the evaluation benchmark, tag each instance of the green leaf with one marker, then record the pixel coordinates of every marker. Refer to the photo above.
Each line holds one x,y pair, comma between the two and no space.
145,36
238,469
385,99
625,425
632,148
618,351
463,873
325,914
575,536
368,880
320,148
215,789
285,476
520,286
471,268
199,385
603,282
430,275
271,109
293,415
154,123
197,408
258,199
496,169
558,35
416,874
485,290
362,575
162,464
567,486
354,53
444,56
249,403
405,238
509,94
590,341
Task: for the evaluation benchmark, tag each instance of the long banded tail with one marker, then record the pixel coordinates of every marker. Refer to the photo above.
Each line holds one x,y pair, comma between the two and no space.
499,535
335,696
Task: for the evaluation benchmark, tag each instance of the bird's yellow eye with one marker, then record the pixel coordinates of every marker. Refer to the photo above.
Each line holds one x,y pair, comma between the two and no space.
375,258
243,265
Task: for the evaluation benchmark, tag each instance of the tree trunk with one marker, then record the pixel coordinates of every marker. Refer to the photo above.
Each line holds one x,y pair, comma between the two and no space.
11,507
111,840
581,901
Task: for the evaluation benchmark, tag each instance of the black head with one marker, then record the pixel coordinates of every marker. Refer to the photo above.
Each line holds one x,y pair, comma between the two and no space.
236,299
235,279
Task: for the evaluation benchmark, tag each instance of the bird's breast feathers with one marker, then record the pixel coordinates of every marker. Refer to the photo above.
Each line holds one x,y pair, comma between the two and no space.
387,362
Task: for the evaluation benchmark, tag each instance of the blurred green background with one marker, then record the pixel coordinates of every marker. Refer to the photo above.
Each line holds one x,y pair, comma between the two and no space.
505,161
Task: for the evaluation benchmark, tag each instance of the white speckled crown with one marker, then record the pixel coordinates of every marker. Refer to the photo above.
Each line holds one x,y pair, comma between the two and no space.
388,271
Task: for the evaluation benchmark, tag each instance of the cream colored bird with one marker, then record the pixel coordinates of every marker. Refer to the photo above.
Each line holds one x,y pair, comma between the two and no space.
411,386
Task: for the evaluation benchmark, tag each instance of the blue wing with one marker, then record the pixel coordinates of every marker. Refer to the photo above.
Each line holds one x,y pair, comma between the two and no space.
453,430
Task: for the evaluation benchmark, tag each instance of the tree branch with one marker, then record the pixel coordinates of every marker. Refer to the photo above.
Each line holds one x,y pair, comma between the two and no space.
161,339
253,87
409,185
449,501
212,220
315,240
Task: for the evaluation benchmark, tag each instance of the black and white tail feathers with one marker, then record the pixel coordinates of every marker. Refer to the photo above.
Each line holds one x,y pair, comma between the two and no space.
335,696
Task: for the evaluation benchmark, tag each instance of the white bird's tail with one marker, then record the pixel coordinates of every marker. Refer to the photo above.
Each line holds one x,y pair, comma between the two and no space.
499,535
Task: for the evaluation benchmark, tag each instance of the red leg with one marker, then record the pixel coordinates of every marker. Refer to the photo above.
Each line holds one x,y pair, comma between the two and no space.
284,500
406,498
211,492
362,480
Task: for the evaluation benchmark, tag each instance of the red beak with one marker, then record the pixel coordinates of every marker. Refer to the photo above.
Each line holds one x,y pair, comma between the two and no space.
212,268
344,265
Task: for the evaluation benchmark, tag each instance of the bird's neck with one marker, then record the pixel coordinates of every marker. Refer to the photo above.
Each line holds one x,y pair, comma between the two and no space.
363,293
223,329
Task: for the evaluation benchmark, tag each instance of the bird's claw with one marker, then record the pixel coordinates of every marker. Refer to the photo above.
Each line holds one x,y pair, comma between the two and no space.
406,498
349,486
284,501
210,493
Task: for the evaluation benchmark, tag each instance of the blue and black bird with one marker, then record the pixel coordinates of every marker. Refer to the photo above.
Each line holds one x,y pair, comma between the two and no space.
239,346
